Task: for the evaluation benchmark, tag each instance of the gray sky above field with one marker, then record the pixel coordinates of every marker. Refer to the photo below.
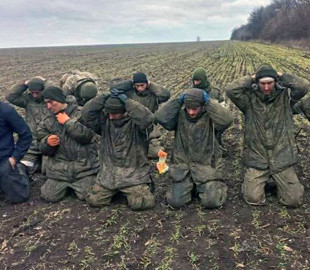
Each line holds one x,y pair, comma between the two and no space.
27,23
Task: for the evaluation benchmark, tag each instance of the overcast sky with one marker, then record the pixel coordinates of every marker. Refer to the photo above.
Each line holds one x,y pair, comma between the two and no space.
29,23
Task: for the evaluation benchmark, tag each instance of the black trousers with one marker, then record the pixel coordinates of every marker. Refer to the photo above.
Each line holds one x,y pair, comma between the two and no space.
14,184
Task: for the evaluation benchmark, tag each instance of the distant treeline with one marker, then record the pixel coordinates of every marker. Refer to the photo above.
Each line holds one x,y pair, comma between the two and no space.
280,21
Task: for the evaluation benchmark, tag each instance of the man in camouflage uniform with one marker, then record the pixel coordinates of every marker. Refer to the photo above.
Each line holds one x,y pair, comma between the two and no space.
83,86
122,124
150,95
200,80
270,149
71,149
33,103
197,157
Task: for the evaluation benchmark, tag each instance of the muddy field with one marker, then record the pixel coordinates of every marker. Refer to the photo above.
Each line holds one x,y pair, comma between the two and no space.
72,235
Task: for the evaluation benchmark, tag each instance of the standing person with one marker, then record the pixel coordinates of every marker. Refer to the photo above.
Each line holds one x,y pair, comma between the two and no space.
197,157
150,95
14,184
80,84
71,149
270,148
122,124
33,103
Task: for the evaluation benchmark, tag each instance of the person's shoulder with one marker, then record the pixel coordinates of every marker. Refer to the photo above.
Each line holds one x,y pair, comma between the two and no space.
6,108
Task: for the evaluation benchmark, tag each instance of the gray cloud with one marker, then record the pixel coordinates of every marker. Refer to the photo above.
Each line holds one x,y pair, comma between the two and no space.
55,22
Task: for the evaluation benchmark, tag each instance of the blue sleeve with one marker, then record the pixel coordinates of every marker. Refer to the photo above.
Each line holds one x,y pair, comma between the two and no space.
19,126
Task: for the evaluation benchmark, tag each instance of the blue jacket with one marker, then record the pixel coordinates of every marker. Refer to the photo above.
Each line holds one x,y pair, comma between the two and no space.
11,122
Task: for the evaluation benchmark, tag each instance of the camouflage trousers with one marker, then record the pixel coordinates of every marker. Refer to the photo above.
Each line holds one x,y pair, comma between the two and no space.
212,194
139,197
54,190
289,190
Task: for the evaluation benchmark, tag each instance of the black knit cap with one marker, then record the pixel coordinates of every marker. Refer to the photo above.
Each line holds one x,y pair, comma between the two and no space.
266,70
139,77
54,93
114,105
35,84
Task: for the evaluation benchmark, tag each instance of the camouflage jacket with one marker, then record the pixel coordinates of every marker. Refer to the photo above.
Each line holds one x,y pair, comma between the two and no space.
150,98
216,93
35,110
196,150
269,140
70,81
77,155
303,106
123,149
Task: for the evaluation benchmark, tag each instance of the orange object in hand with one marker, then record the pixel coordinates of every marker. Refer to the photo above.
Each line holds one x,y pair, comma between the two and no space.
161,165
53,140
62,118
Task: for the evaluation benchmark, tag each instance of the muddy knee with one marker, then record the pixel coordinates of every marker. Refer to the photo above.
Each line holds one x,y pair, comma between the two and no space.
213,194
141,202
52,191
293,197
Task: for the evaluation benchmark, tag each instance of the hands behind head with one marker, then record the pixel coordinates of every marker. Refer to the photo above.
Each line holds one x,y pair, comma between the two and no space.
115,92
119,93
38,77
182,98
206,97
53,140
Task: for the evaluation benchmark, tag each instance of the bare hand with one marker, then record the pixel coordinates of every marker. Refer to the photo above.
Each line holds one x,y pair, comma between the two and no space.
62,118
53,140
12,162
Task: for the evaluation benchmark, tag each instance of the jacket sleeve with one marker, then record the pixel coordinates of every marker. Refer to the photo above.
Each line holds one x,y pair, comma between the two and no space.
17,95
92,113
299,86
19,126
238,92
220,116
163,94
167,115
218,93
42,134
140,114
78,132
124,85
303,106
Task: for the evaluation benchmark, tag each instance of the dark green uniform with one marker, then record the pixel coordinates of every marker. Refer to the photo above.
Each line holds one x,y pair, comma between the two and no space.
123,153
74,163
35,110
150,98
270,149
197,156
214,92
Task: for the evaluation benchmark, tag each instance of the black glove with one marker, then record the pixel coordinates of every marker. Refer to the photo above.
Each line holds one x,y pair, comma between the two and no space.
116,92
123,98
